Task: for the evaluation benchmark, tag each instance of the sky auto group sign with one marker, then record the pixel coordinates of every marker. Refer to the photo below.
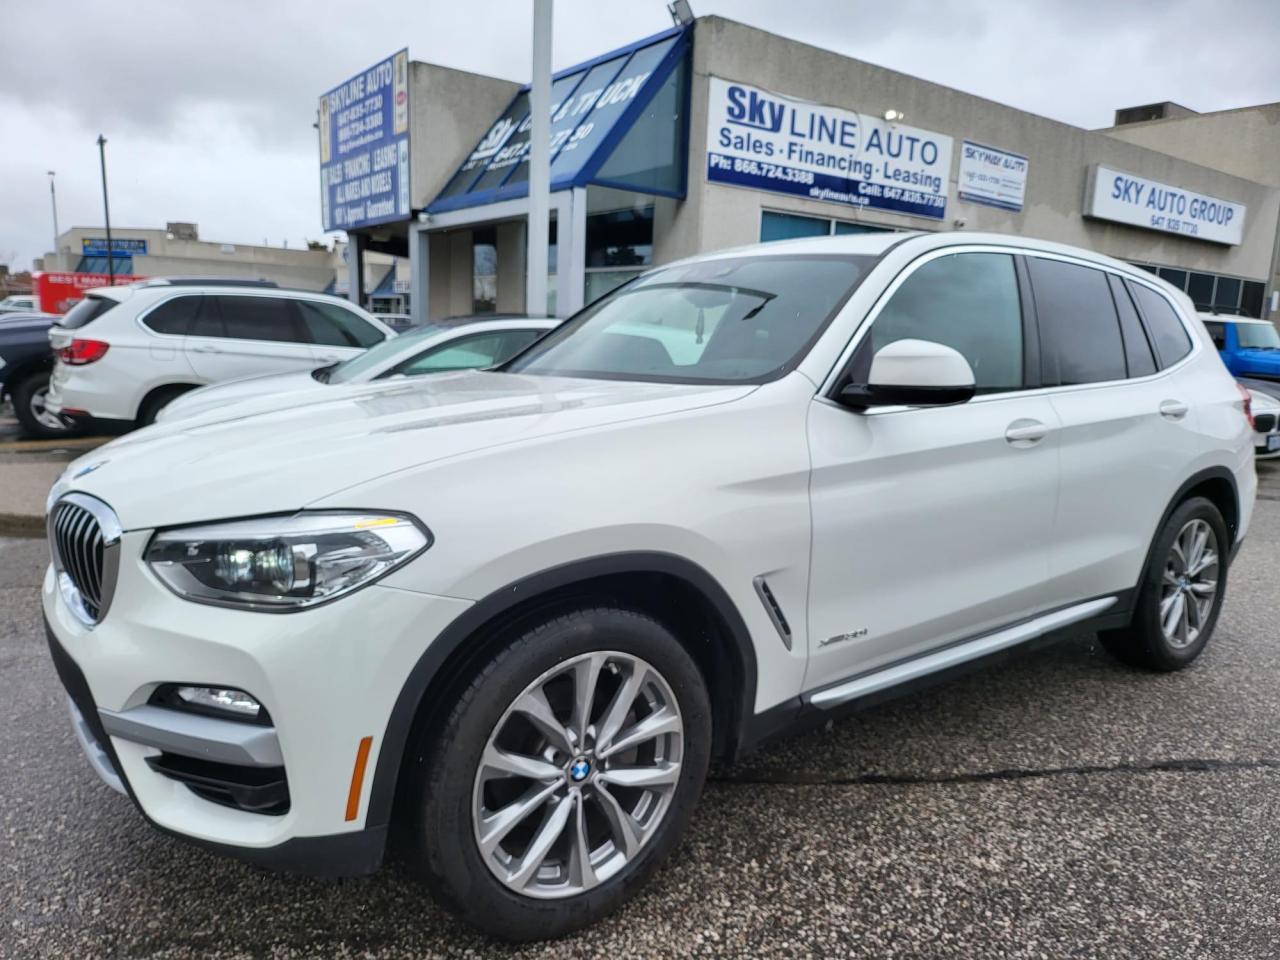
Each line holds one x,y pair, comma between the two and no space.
364,147
770,142
1126,198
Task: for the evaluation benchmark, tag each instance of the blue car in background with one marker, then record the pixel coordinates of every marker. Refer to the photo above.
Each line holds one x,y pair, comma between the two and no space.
26,360
1249,347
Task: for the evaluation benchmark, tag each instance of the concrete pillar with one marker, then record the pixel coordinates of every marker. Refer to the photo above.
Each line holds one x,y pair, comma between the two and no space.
461,273
355,268
511,268
571,235
419,275
440,256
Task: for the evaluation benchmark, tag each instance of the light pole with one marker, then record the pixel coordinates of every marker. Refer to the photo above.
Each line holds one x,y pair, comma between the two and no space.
540,164
53,196
106,211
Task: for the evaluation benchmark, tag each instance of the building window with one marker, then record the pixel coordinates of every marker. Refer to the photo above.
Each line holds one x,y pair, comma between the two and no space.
619,247
1214,292
790,226
484,270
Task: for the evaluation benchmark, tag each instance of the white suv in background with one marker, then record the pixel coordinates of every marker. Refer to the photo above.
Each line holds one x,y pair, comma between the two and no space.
124,352
523,609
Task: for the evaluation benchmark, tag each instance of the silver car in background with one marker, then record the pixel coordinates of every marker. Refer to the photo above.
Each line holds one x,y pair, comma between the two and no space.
457,344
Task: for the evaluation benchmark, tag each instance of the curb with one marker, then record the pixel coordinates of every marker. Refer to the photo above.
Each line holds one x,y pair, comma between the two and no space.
22,525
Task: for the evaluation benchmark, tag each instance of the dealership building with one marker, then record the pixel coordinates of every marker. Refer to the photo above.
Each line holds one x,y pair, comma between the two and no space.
716,134
86,258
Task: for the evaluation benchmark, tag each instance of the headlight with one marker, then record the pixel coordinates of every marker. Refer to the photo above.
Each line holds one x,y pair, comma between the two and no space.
284,563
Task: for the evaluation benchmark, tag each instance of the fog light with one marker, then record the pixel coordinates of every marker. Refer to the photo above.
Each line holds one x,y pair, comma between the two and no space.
223,699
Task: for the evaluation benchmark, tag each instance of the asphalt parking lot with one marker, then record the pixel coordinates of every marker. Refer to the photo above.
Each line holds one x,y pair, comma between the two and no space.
1056,806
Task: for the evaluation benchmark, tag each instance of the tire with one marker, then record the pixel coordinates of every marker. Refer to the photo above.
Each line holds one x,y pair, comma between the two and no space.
451,799
1146,642
152,406
28,407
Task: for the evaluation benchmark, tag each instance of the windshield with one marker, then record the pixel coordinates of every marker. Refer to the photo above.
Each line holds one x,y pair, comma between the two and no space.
376,356
1258,336
741,320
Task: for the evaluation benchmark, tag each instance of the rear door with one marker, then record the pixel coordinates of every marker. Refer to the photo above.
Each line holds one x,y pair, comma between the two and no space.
1127,426
245,335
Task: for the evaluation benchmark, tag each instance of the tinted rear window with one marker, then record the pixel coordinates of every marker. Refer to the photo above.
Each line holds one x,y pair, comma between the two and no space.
1078,324
1137,347
1167,332
173,316
86,311
259,318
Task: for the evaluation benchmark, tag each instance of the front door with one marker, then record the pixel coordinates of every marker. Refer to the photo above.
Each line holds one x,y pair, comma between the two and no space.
932,525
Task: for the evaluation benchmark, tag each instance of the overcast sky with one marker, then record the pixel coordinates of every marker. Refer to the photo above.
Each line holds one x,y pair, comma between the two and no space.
208,106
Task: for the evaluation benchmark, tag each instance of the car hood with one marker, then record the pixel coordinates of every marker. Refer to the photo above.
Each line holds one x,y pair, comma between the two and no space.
235,391
237,461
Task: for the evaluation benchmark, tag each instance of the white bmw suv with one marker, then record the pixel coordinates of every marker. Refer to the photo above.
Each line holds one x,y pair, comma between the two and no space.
124,353
501,621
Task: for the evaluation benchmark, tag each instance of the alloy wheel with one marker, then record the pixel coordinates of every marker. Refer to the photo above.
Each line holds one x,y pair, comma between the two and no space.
1189,584
577,775
38,405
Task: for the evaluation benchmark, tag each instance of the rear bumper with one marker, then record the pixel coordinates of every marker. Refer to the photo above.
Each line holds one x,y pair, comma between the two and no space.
84,423
354,853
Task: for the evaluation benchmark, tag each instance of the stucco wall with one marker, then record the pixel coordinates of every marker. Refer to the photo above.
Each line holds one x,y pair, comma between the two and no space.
1245,142
717,216
307,269
450,110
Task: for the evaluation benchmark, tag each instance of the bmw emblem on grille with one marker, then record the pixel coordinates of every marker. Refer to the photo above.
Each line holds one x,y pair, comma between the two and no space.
580,770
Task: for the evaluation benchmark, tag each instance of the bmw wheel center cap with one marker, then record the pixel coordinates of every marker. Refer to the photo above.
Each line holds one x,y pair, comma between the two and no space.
580,770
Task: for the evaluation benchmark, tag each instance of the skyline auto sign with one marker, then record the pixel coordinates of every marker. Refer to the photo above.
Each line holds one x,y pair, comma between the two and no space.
767,141
364,147
1126,198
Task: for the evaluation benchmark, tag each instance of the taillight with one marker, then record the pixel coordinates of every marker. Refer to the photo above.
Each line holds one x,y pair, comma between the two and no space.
1246,400
79,352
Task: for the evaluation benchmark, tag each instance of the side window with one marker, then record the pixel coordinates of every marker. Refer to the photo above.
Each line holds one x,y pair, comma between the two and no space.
466,353
335,327
1219,333
207,321
173,316
1167,332
259,318
967,301
1137,348
1079,328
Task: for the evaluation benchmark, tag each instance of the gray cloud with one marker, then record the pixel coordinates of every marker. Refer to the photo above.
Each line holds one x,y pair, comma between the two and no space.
208,106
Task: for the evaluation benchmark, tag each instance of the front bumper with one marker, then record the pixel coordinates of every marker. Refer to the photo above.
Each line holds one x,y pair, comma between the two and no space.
329,677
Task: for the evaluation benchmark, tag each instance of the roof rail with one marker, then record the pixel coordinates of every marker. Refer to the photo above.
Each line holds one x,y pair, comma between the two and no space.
206,282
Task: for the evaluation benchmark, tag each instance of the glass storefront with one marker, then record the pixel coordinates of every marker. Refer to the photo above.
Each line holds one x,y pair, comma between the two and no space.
1214,292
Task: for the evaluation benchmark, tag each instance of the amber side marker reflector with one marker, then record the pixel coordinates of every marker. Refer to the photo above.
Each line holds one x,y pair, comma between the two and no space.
357,778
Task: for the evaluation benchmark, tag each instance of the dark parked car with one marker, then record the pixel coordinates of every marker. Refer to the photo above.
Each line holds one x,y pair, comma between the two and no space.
26,360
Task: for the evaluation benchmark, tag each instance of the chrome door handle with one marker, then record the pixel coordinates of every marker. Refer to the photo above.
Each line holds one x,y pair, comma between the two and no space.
1026,433
1173,409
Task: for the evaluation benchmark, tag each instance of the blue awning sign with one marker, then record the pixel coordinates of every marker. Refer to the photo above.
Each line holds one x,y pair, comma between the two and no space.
592,107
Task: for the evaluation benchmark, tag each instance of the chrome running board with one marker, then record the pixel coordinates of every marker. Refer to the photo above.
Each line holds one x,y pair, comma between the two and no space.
908,670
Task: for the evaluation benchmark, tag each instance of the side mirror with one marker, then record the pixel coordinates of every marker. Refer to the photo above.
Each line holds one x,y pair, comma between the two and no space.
913,373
